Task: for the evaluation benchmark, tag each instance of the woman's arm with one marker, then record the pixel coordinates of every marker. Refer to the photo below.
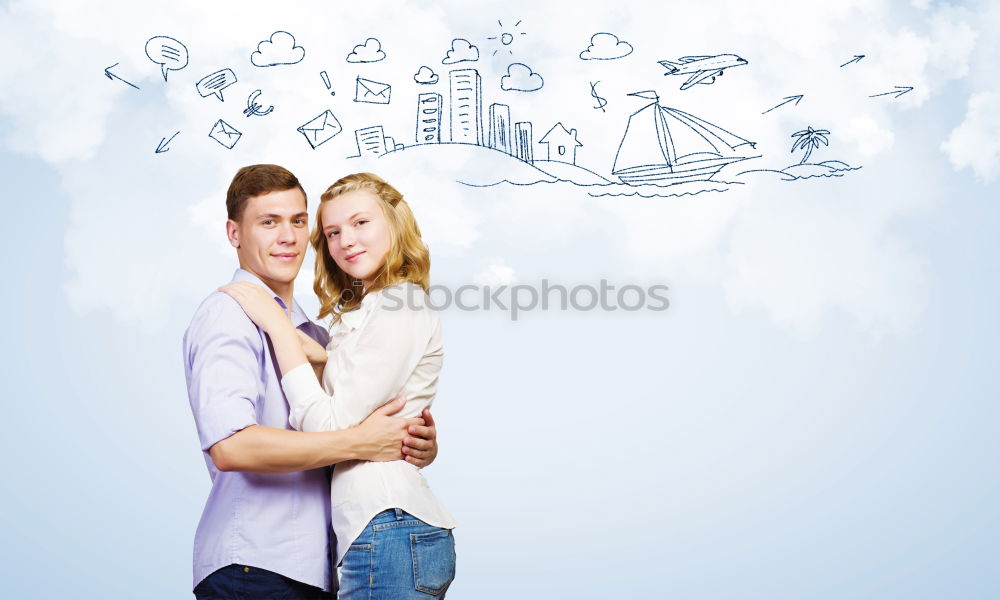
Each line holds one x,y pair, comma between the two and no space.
265,311
368,370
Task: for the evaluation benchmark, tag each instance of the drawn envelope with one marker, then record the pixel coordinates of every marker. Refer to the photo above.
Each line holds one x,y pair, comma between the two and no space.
372,91
321,129
225,134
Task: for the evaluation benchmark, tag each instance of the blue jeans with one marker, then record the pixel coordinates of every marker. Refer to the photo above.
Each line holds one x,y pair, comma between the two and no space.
240,582
398,557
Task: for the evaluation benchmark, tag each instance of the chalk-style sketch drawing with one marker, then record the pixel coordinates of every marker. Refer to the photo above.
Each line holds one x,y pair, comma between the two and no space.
320,129
523,146
279,49
808,140
112,76
167,52
899,91
369,52
520,78
372,92
326,82
425,76
371,141
506,37
253,109
461,51
225,134
214,83
606,46
429,109
785,101
465,106
702,69
601,102
164,142
562,144
665,146
856,58
500,128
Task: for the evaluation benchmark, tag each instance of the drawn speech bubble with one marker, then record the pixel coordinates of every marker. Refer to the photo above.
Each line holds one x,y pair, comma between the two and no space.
167,52
216,82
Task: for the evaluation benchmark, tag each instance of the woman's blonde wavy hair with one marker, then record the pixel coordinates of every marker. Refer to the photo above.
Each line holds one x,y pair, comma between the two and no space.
406,260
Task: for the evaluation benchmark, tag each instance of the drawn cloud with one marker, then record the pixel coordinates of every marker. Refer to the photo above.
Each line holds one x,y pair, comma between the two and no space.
425,76
279,49
520,78
976,142
606,46
461,51
369,52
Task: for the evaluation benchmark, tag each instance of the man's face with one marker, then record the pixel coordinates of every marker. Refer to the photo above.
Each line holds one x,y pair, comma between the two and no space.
271,236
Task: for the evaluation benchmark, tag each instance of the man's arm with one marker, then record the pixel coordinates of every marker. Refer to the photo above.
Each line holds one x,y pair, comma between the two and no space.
260,449
223,353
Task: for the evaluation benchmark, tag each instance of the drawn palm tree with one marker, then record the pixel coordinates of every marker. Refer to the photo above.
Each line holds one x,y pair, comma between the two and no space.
809,140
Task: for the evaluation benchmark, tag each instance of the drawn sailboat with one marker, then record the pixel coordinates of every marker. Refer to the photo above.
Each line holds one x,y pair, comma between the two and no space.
665,146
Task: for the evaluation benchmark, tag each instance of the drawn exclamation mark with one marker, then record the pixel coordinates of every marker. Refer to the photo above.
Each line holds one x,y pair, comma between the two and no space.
326,82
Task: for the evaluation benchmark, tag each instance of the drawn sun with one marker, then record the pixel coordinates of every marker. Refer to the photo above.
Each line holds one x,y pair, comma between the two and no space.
506,37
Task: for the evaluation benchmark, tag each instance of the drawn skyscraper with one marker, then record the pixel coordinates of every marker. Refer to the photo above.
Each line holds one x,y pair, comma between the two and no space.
371,140
465,106
523,142
500,127
429,118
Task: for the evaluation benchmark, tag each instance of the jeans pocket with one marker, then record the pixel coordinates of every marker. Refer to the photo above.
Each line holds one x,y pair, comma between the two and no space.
433,560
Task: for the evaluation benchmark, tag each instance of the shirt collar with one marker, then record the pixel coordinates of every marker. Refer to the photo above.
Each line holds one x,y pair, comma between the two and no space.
298,315
354,318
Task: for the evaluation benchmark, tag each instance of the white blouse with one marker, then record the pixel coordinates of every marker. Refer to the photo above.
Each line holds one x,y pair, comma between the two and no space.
390,345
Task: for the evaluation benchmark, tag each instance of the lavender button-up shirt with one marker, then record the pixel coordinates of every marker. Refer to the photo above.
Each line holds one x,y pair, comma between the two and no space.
279,522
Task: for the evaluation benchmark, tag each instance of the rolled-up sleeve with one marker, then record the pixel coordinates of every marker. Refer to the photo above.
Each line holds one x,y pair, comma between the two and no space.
222,350
366,375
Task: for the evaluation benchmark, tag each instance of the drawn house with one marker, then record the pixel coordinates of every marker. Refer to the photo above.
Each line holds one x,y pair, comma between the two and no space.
562,144
465,106
523,142
500,128
429,118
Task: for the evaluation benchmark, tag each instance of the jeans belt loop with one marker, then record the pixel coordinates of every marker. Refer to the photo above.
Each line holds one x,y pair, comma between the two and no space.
399,514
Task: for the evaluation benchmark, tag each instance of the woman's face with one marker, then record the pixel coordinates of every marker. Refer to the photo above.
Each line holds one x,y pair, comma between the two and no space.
357,233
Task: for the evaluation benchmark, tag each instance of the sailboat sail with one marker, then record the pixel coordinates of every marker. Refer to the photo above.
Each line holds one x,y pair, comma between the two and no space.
664,146
641,145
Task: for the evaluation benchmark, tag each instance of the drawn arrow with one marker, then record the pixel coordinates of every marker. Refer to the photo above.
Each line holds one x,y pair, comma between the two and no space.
112,76
856,58
899,91
787,100
162,147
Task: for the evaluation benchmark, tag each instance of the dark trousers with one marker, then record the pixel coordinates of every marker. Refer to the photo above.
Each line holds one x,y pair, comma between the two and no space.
240,582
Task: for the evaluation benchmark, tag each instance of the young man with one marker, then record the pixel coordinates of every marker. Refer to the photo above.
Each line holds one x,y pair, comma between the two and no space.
265,528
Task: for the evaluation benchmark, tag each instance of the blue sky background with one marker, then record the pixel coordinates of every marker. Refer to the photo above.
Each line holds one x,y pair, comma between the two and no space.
814,417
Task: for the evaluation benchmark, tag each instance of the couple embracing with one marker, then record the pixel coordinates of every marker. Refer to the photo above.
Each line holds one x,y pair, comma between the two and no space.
277,399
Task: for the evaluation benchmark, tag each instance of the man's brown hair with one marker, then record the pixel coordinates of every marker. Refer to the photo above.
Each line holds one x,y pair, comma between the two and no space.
257,180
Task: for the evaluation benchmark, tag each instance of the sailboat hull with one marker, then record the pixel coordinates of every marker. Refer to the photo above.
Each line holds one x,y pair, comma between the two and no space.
701,170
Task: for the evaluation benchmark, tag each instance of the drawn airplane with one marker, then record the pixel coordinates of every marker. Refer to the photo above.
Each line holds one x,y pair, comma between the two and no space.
703,69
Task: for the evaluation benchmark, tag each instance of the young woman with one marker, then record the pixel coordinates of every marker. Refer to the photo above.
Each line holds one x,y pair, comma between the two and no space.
393,536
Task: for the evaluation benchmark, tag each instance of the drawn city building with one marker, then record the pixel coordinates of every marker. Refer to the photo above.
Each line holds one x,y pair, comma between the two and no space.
465,106
523,143
500,128
429,118
562,144
371,140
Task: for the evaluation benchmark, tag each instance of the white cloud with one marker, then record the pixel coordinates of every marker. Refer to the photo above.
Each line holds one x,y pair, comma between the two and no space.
975,142
101,134
496,274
